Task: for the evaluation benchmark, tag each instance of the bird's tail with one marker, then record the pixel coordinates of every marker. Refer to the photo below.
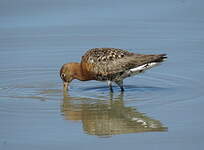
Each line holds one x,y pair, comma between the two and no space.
152,61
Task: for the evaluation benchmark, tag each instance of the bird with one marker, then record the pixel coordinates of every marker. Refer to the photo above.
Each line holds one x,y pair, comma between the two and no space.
112,65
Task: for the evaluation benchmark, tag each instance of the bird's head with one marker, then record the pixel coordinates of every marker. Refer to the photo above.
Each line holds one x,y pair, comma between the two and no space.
67,74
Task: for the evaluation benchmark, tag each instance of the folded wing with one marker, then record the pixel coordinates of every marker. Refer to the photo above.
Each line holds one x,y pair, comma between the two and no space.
110,61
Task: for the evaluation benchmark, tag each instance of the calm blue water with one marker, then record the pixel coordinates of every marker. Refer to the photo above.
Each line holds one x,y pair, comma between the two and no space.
160,109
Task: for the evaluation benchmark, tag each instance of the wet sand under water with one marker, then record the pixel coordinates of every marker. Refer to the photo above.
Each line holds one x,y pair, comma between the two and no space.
160,109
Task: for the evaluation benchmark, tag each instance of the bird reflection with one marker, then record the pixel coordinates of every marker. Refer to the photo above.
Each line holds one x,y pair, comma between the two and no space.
105,118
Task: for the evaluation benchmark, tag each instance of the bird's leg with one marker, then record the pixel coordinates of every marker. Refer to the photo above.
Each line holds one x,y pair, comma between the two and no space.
110,86
120,84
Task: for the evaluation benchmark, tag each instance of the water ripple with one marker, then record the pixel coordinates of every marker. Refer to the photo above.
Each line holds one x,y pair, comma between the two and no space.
21,96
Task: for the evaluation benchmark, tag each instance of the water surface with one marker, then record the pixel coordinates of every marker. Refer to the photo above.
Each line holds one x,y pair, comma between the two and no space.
160,109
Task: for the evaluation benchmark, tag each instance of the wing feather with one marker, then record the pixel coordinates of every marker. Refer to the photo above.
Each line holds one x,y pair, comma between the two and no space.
110,61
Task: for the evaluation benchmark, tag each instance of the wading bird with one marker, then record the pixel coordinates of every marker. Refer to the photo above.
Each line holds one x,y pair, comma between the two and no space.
108,64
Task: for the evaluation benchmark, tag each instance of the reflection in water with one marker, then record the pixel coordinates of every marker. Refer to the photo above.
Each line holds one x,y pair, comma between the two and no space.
107,117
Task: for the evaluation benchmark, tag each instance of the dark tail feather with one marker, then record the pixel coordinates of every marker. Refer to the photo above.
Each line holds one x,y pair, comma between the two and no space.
160,58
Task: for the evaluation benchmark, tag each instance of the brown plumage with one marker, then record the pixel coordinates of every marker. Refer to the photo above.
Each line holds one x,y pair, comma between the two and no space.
108,64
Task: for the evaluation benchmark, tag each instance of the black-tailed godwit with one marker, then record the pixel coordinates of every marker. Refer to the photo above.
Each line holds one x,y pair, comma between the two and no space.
108,64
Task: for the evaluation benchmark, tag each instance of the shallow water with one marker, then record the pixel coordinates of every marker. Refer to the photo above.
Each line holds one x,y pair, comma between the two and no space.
160,109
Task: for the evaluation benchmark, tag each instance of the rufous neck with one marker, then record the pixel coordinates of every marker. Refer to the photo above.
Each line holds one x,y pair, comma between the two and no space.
78,72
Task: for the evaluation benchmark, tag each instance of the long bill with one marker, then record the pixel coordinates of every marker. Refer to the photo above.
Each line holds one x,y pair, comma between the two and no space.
65,86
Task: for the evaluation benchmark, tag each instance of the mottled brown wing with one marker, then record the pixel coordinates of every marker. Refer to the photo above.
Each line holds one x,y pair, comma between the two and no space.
107,61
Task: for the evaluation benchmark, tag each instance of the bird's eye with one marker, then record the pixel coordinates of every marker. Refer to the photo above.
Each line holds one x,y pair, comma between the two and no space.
63,76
